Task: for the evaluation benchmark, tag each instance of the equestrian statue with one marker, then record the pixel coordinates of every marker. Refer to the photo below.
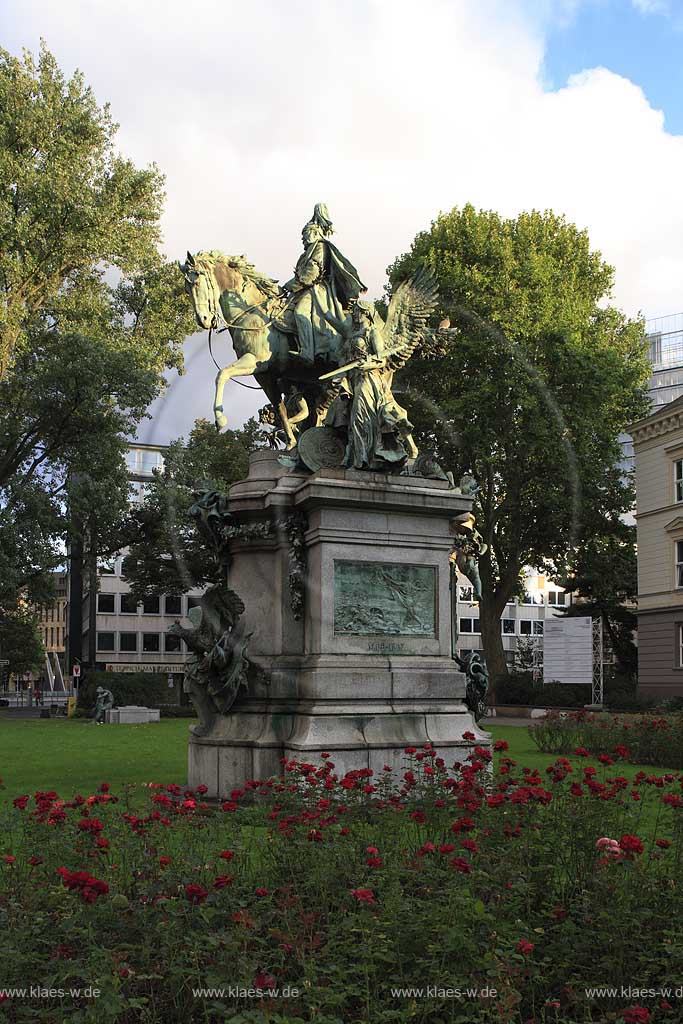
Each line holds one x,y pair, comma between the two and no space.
323,356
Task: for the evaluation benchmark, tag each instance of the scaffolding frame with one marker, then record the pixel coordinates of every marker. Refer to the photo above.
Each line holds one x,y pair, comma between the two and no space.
598,668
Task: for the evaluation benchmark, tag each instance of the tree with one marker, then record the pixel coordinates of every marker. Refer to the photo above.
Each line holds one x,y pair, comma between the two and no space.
529,390
81,357
20,642
167,554
69,205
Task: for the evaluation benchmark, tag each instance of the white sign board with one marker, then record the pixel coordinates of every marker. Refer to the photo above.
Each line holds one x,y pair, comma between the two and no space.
568,650
135,666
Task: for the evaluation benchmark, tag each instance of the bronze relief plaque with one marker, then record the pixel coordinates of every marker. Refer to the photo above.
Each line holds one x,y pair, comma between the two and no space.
384,599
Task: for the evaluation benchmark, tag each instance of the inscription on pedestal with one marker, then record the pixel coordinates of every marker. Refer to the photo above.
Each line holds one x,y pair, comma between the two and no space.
384,599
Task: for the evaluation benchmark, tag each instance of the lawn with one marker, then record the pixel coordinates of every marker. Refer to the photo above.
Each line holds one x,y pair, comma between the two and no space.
75,756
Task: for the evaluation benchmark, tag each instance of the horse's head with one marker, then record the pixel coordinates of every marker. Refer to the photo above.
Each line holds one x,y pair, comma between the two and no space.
209,275
203,286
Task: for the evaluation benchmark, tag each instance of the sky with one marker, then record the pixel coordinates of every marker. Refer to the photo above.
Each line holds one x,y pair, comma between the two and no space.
390,112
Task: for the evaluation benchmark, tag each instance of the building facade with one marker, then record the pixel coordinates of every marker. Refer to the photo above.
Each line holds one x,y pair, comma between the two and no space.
522,623
658,445
52,618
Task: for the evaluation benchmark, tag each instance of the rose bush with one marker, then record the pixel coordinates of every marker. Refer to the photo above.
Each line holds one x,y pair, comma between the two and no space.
357,898
643,739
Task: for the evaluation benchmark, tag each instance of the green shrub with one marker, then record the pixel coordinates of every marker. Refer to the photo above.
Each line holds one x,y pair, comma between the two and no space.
646,739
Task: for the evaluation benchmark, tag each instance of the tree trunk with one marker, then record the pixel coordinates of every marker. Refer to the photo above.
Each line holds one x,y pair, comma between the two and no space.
492,642
74,654
92,598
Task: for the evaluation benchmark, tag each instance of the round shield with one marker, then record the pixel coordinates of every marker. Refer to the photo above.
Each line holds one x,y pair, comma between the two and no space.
321,448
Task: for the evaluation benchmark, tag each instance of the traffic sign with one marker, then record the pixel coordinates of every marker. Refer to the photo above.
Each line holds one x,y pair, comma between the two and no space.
4,661
76,671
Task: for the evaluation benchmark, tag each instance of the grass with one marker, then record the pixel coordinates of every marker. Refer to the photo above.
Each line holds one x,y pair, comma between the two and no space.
75,756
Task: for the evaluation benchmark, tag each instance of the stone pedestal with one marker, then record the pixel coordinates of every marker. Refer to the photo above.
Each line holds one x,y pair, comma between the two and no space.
359,657
131,714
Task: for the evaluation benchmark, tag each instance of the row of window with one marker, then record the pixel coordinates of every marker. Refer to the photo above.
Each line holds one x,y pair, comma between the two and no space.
129,643
554,598
53,636
128,605
508,627
51,613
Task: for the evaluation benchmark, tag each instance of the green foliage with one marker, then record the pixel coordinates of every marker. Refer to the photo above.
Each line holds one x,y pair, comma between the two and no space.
643,740
167,554
20,642
529,391
148,689
80,359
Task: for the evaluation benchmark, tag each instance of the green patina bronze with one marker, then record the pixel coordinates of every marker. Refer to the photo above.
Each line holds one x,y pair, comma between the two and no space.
324,357
384,599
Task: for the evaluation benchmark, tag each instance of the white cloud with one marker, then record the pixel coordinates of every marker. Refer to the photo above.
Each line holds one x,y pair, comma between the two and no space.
388,111
651,6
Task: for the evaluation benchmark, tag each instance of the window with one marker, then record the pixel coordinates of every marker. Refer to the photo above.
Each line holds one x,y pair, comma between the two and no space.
679,663
469,626
128,642
150,605
150,643
173,604
193,602
129,605
678,480
106,603
466,593
538,628
679,563
172,643
107,568
532,599
557,597
525,627
105,642
508,627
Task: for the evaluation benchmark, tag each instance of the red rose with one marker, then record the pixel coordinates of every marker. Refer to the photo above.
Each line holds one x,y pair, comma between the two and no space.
221,881
363,895
262,892
631,844
263,980
636,1015
226,855
195,893
501,745
663,844
524,947
9,859
164,861
460,864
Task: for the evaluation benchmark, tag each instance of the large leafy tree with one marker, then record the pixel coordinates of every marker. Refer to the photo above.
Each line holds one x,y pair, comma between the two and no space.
20,642
90,317
69,204
167,553
530,390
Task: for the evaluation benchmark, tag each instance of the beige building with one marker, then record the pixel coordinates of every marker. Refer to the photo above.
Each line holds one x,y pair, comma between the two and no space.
52,620
658,444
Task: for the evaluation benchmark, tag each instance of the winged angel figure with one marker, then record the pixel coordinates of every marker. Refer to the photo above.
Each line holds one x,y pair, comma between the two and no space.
378,429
